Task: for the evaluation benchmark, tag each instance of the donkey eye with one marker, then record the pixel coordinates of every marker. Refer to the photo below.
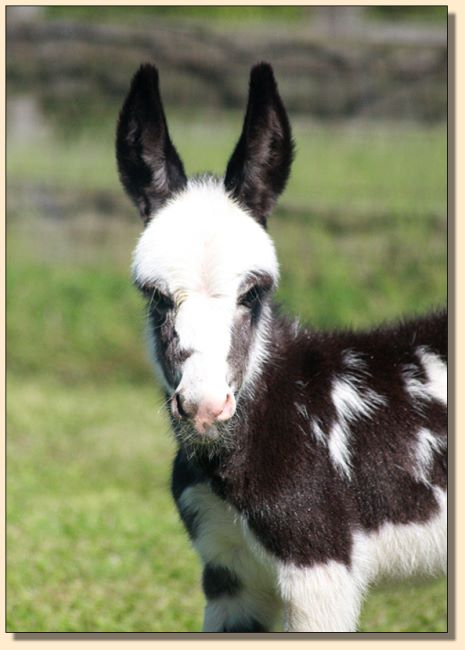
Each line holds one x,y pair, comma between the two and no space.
250,297
158,300
161,302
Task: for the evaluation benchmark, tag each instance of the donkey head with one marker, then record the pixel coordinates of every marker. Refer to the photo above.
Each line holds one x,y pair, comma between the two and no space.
204,260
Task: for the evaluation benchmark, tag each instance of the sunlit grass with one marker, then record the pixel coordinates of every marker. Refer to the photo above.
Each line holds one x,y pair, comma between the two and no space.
407,607
94,542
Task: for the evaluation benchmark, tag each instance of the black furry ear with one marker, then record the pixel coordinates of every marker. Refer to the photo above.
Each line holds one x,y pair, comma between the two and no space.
148,164
259,167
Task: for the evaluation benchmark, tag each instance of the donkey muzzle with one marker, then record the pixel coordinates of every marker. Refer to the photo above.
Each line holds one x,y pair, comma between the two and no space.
204,413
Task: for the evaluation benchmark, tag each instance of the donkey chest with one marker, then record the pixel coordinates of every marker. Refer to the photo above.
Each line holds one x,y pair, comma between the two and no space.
221,535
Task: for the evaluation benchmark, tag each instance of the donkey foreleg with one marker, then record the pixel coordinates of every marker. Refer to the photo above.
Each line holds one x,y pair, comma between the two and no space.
233,605
323,598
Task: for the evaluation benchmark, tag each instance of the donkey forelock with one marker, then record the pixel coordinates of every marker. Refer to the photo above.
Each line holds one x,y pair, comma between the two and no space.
203,241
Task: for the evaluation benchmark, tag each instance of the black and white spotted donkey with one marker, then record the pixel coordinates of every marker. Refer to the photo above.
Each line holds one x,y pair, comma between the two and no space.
309,463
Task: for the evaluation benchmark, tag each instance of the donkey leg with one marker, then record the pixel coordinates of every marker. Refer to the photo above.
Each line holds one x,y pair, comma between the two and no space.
323,598
234,604
239,589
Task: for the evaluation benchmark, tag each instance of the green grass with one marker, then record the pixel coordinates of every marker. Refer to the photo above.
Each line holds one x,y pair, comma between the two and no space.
94,542
230,15
143,15
408,607
89,318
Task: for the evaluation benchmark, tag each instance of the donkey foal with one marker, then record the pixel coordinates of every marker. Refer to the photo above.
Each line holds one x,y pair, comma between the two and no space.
309,463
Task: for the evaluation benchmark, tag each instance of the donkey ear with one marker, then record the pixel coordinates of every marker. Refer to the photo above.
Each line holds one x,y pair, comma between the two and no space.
259,167
148,164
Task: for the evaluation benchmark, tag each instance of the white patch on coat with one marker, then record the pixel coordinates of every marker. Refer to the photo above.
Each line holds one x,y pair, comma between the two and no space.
436,372
435,387
318,431
403,550
338,444
322,598
427,443
354,360
413,385
314,425
201,245
350,404
223,538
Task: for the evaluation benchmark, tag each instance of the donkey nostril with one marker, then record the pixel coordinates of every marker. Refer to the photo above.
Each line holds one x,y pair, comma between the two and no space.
181,411
228,409
229,400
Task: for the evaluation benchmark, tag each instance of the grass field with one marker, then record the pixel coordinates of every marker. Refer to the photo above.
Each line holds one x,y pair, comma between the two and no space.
229,15
94,543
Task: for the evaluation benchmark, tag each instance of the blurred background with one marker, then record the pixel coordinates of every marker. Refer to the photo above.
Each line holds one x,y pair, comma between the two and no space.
94,543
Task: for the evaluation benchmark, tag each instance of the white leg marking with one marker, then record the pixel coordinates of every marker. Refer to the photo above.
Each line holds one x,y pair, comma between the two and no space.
324,598
402,550
223,539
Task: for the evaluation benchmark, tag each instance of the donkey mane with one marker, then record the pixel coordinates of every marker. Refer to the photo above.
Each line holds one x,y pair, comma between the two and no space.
310,463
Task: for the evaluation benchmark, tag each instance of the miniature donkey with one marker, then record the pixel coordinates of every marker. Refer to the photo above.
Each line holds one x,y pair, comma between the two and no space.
309,463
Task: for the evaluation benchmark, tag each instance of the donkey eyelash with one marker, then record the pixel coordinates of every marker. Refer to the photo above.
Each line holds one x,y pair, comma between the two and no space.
161,302
253,294
158,299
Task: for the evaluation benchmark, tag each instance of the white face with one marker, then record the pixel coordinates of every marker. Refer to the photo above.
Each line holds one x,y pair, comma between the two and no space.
206,267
